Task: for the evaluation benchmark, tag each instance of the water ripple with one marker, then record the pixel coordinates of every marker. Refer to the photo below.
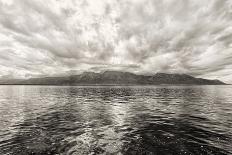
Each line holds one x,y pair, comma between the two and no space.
154,120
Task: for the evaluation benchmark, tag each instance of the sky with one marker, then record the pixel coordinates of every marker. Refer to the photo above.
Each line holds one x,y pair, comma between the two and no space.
63,37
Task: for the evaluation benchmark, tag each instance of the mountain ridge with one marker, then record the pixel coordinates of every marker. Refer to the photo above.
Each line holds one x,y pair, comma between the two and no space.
115,78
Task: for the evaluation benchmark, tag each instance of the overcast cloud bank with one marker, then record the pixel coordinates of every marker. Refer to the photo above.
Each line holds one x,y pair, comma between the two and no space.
59,37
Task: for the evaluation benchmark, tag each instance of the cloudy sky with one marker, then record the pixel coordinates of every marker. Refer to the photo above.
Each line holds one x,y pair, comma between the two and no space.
58,37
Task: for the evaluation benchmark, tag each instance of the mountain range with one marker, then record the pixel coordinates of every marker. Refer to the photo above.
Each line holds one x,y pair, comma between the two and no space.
114,78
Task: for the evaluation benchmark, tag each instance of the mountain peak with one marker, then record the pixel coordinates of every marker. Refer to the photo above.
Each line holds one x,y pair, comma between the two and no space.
117,77
114,72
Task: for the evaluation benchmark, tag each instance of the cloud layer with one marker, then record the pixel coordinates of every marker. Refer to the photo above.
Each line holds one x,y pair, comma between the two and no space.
60,37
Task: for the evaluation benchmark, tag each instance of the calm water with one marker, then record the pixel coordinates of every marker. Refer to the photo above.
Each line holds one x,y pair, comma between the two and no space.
162,120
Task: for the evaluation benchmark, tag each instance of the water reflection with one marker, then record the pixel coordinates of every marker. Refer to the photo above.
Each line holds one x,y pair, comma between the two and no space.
115,120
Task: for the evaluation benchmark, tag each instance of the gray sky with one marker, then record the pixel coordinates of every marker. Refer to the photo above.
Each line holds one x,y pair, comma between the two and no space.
59,37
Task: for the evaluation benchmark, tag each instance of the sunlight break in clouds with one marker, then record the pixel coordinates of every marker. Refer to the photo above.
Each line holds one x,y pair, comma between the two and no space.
62,37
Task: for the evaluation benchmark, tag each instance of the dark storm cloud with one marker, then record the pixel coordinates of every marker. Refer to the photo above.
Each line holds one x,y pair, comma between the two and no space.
62,37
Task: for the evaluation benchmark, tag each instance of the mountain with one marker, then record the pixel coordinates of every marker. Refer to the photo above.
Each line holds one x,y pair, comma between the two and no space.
115,78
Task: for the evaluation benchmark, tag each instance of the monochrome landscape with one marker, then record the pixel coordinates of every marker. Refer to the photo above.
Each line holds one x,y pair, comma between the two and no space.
115,77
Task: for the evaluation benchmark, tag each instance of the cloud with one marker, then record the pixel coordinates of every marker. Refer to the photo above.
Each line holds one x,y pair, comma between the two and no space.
62,37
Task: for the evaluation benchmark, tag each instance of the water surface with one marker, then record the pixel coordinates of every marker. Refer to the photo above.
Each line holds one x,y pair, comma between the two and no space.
124,120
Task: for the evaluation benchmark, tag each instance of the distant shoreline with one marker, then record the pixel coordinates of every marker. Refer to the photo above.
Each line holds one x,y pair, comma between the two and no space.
114,78
116,85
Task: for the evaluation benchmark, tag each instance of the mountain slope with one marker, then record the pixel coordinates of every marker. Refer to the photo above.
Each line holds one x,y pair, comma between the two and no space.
115,78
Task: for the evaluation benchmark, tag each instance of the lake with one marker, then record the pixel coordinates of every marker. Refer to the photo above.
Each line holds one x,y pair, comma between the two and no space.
123,120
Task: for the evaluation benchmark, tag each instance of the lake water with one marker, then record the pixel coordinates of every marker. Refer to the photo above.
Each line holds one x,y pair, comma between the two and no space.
124,120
